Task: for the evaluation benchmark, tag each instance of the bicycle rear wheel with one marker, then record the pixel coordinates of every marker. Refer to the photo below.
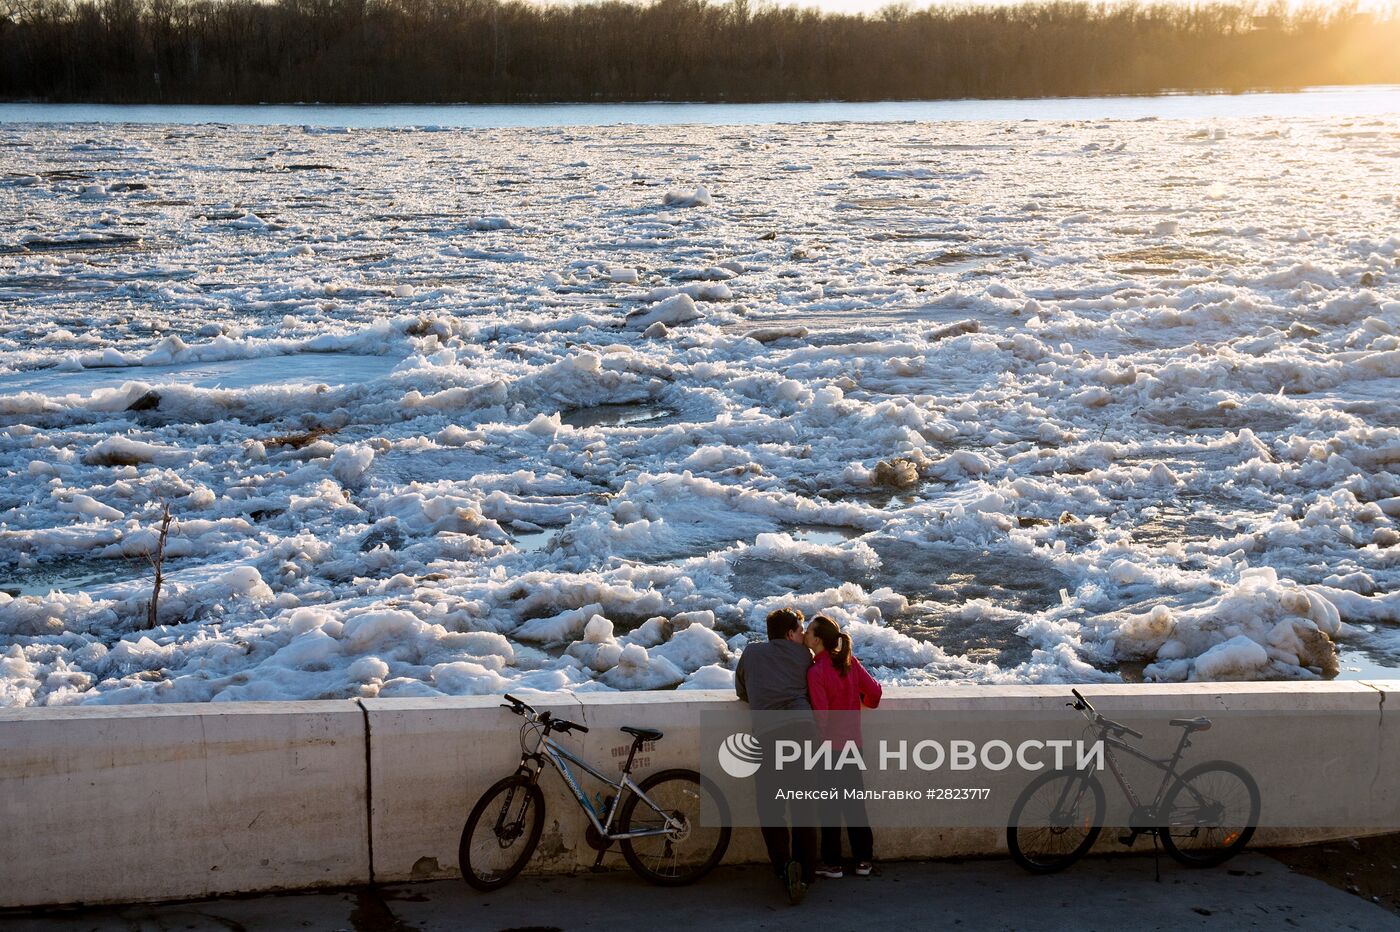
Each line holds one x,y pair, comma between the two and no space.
1056,820
501,833
1210,814
688,850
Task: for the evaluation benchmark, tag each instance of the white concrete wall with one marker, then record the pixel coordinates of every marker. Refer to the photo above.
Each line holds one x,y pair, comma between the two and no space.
111,804
432,758
151,802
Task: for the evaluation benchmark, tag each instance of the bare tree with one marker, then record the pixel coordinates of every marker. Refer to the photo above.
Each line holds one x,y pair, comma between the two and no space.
157,557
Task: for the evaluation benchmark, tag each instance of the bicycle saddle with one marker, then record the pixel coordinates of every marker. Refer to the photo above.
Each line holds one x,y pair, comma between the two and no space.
1199,723
643,734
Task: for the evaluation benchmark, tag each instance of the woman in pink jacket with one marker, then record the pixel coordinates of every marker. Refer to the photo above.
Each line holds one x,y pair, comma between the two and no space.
839,687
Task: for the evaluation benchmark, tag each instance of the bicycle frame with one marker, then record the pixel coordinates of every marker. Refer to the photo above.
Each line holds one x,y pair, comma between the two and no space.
1165,764
560,757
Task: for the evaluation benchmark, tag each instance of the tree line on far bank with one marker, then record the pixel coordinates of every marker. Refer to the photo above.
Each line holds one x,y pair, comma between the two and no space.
382,51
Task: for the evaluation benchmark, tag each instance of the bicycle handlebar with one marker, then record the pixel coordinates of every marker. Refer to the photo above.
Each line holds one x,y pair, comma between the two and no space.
1081,704
516,706
545,718
564,725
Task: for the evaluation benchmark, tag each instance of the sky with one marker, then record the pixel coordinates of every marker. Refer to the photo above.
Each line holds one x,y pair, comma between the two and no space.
870,6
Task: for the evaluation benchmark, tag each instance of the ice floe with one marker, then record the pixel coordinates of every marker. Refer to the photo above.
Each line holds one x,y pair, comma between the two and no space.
1114,400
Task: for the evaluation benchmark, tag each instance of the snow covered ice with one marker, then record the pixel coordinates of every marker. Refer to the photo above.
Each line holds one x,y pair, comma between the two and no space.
464,411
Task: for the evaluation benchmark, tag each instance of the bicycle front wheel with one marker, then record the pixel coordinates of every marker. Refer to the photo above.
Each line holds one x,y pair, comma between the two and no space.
683,850
1055,821
501,833
1210,814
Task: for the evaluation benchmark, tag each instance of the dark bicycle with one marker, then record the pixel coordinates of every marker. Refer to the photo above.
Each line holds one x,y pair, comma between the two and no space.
1203,817
657,821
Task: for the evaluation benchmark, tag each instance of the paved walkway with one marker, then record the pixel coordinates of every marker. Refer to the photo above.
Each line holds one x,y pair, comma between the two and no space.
1110,894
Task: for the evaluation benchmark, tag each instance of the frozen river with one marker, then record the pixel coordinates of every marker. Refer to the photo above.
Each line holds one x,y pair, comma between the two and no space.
441,412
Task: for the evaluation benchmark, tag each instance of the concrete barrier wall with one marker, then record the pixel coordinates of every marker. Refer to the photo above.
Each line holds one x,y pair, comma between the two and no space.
113,804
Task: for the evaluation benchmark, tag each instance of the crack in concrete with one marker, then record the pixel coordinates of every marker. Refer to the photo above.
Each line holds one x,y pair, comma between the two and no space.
1380,733
369,792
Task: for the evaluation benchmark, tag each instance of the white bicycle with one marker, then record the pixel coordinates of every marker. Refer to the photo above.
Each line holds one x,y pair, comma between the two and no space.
657,821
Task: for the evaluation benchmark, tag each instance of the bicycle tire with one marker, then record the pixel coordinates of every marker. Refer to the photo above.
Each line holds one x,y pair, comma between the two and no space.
702,859
1022,840
1233,838
476,875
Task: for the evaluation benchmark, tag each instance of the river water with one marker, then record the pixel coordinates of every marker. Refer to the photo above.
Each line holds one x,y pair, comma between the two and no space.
1358,101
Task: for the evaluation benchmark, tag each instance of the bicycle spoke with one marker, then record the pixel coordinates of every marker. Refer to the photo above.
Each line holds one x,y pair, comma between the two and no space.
1056,819
496,843
685,844
1212,811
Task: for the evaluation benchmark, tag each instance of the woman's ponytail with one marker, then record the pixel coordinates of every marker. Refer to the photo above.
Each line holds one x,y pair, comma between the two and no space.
836,642
841,658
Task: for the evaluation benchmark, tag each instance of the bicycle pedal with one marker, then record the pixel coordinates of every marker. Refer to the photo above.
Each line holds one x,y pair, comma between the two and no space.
1129,839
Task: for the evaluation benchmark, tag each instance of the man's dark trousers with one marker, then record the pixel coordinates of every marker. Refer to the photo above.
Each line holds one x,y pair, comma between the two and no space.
790,827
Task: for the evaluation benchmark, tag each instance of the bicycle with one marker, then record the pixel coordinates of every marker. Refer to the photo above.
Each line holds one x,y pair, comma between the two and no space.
1203,817
664,842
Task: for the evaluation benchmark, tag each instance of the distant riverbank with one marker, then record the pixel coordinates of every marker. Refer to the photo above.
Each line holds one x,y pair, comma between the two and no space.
437,51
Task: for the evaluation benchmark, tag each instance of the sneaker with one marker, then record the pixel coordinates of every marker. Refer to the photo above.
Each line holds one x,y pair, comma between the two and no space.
830,872
864,869
792,880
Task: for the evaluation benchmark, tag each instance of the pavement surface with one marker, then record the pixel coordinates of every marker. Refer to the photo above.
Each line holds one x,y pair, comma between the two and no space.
1120,893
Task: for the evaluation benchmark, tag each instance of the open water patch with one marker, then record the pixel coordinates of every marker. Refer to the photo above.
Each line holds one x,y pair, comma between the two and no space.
301,369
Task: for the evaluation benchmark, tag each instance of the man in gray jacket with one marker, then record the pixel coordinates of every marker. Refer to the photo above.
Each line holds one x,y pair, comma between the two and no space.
772,677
